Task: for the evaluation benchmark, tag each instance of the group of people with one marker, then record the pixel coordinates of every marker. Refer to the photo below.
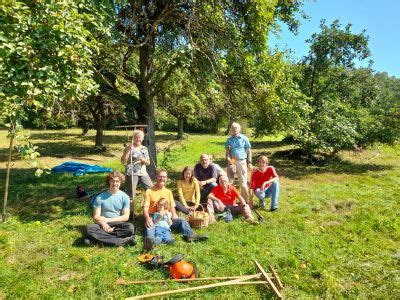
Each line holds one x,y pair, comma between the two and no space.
206,185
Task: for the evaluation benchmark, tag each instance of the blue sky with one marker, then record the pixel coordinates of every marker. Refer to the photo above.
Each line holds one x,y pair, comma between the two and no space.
380,19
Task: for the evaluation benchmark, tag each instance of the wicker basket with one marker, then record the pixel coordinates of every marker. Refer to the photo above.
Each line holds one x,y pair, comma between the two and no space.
199,219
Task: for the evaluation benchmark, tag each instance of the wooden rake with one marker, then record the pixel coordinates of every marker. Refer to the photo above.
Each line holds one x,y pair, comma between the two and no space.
270,280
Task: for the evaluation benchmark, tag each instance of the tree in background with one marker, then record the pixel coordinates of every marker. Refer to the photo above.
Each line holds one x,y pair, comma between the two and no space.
166,35
337,92
45,61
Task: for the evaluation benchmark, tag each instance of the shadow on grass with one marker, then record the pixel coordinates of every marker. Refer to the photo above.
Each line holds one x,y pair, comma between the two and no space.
292,164
65,149
49,197
59,150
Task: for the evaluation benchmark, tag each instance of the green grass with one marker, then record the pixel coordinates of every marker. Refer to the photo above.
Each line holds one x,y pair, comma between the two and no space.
336,234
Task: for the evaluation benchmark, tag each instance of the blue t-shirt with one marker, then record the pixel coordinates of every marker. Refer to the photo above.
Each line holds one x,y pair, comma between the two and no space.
238,146
112,205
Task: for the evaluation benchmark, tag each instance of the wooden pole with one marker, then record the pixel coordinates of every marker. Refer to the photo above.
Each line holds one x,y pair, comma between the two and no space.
276,278
133,200
265,276
7,182
237,281
123,282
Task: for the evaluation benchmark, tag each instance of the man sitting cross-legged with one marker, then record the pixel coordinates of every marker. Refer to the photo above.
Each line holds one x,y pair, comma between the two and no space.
110,214
149,205
223,198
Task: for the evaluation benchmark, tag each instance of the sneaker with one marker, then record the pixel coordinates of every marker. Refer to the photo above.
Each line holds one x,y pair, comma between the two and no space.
228,216
196,237
148,244
87,242
170,242
273,209
129,241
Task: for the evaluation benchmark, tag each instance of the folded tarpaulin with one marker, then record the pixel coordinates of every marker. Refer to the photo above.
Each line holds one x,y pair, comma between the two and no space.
79,169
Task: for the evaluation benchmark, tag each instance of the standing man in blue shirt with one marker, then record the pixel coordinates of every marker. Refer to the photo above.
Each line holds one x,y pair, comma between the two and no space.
238,156
110,215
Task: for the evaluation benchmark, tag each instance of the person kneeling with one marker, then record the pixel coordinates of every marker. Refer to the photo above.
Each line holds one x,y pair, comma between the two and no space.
162,220
110,215
223,199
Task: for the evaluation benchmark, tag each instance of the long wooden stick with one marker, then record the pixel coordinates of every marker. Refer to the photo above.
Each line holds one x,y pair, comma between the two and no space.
202,287
268,279
276,278
123,282
133,200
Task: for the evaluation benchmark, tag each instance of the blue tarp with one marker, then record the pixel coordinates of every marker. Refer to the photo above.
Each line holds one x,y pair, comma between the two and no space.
79,169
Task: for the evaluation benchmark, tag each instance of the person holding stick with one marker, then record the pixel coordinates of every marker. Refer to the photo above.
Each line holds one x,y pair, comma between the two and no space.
110,215
136,158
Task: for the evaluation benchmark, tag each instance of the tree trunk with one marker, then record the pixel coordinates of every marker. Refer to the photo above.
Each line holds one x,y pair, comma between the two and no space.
146,97
99,143
180,128
231,120
85,129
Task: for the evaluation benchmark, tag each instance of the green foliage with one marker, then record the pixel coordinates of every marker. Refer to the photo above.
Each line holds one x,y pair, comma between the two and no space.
45,55
343,105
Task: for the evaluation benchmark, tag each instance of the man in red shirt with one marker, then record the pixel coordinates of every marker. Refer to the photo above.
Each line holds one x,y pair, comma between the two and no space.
223,198
264,184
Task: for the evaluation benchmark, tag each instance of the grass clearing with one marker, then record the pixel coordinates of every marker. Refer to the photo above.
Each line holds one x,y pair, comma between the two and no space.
336,233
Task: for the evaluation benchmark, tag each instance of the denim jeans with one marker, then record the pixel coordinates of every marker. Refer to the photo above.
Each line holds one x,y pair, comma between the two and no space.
163,235
178,225
272,191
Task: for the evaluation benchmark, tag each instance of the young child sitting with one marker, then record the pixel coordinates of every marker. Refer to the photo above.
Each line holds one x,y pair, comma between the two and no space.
162,220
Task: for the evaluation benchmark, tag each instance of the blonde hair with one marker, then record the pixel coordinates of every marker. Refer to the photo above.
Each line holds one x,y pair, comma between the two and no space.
263,158
163,202
138,132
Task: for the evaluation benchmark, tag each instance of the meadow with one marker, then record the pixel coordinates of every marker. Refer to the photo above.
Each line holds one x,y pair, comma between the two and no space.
335,235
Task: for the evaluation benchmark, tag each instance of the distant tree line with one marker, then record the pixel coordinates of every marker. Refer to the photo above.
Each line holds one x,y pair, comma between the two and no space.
190,66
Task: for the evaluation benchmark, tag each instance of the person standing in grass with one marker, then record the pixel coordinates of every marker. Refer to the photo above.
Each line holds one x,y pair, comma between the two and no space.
136,157
188,191
149,206
207,175
162,220
264,184
110,215
223,199
238,156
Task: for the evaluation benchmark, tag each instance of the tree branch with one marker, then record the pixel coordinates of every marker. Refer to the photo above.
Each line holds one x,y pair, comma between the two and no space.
167,74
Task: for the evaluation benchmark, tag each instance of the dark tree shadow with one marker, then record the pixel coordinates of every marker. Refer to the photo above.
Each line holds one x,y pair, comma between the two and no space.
295,165
49,197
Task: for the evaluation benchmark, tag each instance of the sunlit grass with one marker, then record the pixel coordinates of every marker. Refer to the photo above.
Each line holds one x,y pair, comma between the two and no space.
336,233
